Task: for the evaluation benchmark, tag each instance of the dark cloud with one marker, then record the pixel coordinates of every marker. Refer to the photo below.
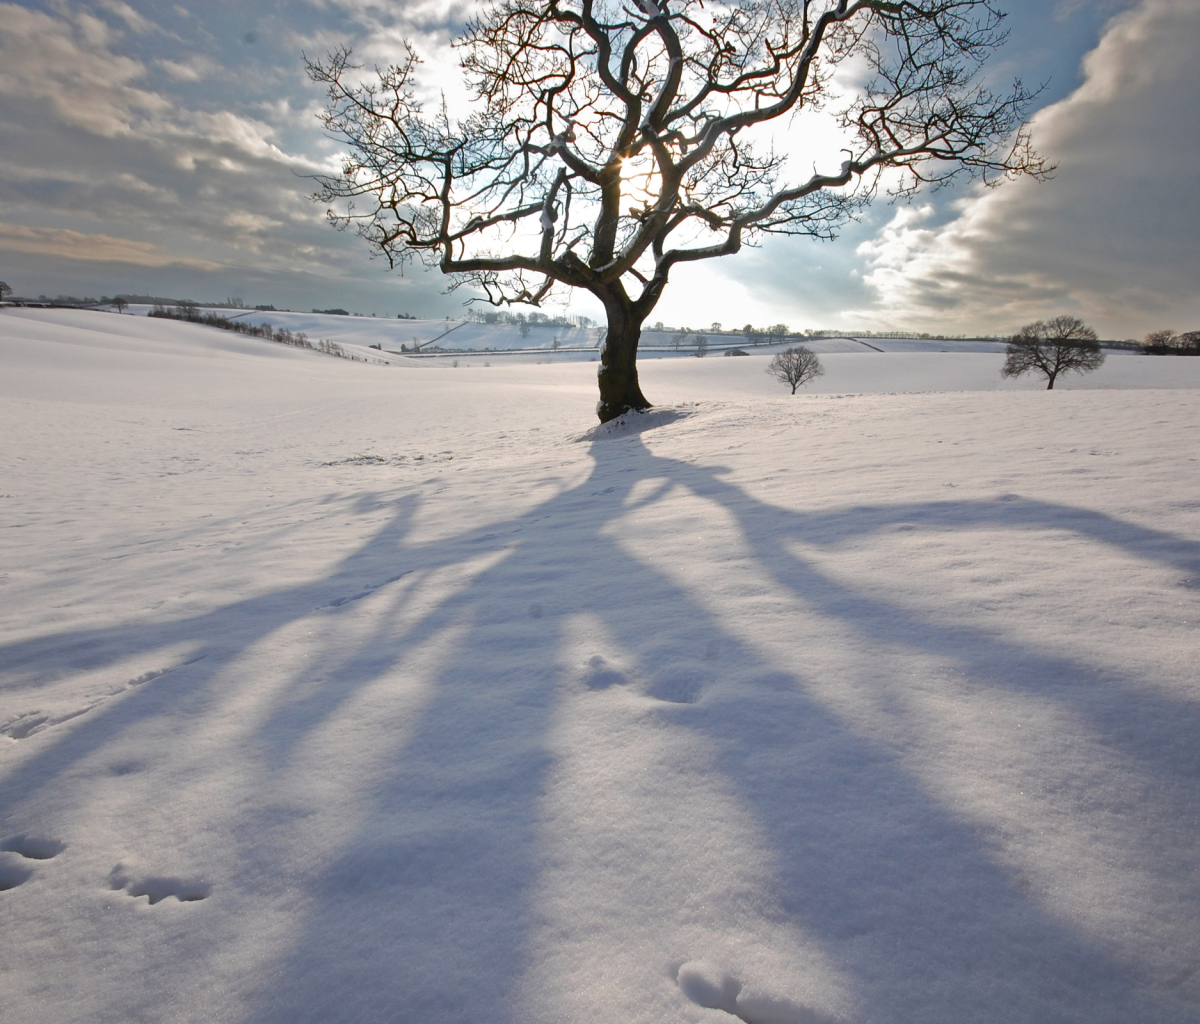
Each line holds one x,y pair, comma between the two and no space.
1115,237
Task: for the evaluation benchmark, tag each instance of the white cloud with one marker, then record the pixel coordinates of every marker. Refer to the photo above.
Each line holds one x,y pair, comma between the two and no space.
1114,237
128,15
69,64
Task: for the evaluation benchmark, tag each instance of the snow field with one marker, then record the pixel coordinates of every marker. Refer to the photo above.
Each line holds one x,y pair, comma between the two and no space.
332,692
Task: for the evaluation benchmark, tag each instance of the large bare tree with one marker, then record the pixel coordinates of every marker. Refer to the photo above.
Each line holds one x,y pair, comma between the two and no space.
611,141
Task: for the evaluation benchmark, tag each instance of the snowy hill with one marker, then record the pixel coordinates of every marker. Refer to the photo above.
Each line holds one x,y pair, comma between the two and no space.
459,336
344,692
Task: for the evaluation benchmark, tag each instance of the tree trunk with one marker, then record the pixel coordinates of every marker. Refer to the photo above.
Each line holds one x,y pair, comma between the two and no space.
618,376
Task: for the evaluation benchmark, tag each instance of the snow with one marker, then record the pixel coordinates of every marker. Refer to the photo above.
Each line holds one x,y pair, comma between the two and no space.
346,692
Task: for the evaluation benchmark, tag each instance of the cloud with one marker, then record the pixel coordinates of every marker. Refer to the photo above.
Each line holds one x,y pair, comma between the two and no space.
133,146
128,15
69,64
1113,238
75,245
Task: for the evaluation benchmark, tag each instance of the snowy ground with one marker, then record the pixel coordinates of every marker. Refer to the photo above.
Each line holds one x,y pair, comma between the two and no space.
333,692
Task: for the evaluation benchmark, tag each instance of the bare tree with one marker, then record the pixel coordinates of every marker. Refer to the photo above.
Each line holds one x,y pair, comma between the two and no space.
610,142
795,367
1159,343
4,290
777,332
1058,346
119,304
701,346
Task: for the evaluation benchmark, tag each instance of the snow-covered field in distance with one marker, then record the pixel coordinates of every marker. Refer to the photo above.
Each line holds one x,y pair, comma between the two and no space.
458,336
346,692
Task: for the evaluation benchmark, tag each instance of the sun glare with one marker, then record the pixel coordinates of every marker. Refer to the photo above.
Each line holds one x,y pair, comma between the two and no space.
641,183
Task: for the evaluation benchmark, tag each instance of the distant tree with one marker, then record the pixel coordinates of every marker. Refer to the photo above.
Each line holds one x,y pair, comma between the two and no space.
777,332
523,327
119,304
1160,340
679,339
1062,345
716,327
795,367
701,346
4,290
1168,343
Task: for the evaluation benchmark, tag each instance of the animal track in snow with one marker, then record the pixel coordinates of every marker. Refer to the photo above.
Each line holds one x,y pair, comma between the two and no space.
366,591
159,887
27,723
391,460
33,847
21,726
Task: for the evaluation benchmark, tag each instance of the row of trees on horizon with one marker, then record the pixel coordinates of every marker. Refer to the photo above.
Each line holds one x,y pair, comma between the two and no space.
1160,342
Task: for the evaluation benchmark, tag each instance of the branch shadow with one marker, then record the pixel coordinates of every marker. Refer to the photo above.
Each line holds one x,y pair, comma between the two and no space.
426,913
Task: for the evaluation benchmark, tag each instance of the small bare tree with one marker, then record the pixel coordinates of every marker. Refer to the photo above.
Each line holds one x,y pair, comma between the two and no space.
796,367
612,141
119,304
4,290
1058,346
701,345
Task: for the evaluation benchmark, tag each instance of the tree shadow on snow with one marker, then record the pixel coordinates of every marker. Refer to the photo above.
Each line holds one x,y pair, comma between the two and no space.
427,913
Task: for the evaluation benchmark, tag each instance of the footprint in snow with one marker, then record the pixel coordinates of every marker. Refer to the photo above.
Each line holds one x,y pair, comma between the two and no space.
159,887
14,873
33,847
600,675
716,989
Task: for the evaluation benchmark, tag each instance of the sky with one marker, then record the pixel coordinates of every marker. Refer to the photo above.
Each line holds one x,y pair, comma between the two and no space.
168,149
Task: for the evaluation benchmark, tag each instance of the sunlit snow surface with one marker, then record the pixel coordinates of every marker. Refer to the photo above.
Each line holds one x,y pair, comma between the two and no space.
338,692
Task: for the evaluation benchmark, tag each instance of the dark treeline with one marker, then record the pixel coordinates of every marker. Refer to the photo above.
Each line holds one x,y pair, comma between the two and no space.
1168,343
297,339
533,319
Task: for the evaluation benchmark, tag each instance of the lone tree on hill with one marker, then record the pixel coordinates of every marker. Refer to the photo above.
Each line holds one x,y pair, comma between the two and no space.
1058,346
797,366
611,141
4,290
